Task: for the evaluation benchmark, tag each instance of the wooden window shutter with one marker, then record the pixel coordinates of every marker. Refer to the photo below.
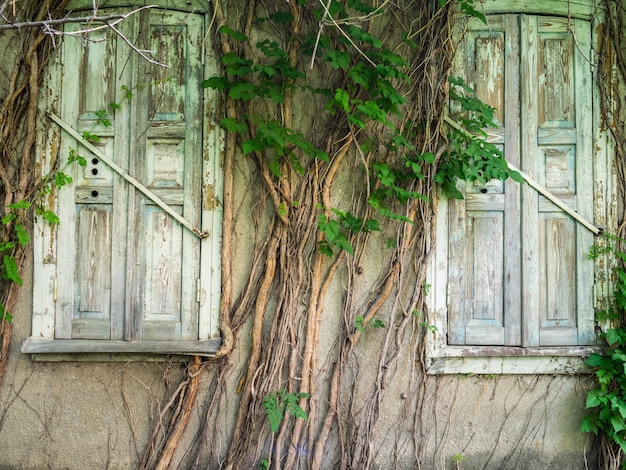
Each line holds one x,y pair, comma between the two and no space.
126,269
518,274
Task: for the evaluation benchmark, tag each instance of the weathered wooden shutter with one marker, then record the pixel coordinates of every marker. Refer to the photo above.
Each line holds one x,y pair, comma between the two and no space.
126,269
518,275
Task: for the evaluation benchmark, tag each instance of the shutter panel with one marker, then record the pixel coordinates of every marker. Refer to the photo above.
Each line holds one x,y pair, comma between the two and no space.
90,253
484,268
559,274
168,159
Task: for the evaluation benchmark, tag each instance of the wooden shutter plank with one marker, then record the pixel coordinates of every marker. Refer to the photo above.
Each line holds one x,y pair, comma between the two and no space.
45,234
484,229
511,152
585,181
530,219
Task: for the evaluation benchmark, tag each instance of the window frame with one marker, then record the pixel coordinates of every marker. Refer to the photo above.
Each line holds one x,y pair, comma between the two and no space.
42,343
442,358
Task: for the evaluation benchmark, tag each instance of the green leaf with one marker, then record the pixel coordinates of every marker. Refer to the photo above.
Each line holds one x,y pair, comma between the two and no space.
358,324
236,35
325,248
22,236
217,83
365,37
50,217
360,74
282,16
342,99
243,91
589,424
5,315
274,411
612,336
618,424
11,271
338,59
255,144
467,7
271,49
233,125
372,225
592,400
61,179
274,167
25,205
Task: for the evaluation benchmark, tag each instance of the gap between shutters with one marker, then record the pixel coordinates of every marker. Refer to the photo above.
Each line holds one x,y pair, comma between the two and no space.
539,188
118,169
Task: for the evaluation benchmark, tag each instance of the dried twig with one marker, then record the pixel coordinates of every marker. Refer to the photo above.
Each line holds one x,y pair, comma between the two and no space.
49,23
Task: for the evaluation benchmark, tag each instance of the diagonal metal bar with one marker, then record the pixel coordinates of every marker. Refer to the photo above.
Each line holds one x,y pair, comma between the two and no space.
539,188
119,170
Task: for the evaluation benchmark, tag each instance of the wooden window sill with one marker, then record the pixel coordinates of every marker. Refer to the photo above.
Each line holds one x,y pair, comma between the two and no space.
107,350
489,360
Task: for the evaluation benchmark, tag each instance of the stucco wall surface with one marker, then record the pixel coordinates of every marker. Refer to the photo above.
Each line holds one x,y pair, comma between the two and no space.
97,415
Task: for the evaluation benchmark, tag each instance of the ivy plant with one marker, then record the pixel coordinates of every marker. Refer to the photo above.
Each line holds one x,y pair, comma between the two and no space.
607,401
276,404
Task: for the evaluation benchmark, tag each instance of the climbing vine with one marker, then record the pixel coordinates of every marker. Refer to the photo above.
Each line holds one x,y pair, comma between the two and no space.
21,188
378,118
606,400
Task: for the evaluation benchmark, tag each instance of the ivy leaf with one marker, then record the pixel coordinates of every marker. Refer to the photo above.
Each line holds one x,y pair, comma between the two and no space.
428,157
217,83
282,16
274,167
11,271
589,424
50,217
372,225
338,59
342,99
236,35
22,236
360,75
232,125
618,424
19,205
358,324
255,144
458,81
325,248
592,400
467,7
274,411
265,70
243,91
